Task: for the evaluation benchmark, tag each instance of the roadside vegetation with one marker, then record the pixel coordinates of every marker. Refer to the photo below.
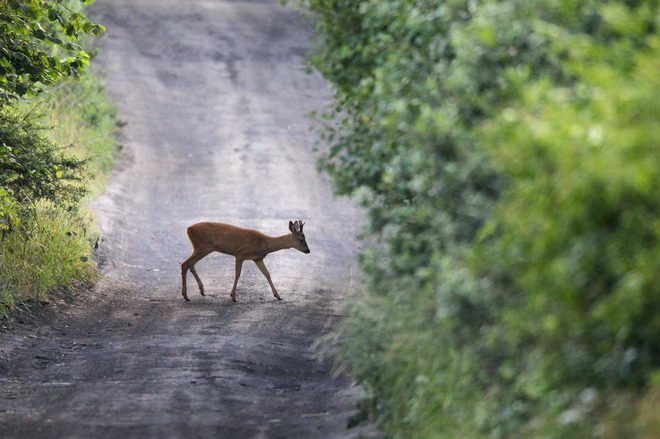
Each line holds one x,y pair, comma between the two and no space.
507,153
56,125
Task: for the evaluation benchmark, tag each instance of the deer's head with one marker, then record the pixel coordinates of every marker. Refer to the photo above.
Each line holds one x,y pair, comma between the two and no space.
299,243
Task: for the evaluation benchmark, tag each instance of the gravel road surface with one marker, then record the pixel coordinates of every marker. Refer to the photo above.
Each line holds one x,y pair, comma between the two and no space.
214,94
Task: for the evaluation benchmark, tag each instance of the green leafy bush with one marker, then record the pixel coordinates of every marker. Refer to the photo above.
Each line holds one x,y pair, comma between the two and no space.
579,223
38,45
507,154
31,166
44,244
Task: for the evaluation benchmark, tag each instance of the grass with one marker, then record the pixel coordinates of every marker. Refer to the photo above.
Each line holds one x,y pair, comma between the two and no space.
83,116
47,251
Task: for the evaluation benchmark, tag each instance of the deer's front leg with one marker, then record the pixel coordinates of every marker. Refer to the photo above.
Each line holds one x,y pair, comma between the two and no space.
264,270
239,266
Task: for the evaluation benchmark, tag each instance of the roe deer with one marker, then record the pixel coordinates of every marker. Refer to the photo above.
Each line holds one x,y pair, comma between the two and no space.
244,244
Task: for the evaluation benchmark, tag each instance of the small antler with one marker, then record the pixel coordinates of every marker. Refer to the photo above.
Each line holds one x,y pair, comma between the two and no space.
296,226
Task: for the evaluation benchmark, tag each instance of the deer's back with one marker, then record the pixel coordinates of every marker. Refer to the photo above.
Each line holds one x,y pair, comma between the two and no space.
227,238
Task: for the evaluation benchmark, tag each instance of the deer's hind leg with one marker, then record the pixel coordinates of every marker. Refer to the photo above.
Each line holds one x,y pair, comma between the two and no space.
199,281
189,264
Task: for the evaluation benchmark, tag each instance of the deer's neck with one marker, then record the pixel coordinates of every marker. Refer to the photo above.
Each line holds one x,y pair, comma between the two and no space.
279,243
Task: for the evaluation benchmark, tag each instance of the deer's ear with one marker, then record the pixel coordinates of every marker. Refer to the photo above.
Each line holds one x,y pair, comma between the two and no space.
291,227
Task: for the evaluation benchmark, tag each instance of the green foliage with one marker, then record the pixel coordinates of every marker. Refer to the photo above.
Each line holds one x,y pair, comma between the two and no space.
45,242
51,246
507,154
31,166
9,209
38,44
579,223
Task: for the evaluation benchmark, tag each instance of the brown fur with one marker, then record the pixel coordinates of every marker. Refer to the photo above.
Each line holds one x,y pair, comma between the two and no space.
244,244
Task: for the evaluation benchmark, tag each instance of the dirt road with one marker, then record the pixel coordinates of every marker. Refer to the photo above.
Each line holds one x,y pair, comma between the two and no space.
214,93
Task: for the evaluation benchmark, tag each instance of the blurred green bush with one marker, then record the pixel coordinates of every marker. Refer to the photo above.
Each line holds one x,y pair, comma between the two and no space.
508,155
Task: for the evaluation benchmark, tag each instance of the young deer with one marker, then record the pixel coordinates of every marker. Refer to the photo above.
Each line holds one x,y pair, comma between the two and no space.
244,244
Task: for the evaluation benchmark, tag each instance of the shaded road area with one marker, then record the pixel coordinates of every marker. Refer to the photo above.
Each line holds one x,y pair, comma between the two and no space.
214,94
